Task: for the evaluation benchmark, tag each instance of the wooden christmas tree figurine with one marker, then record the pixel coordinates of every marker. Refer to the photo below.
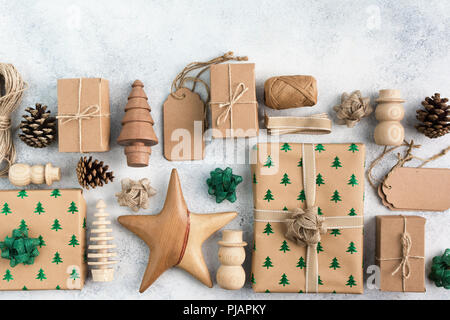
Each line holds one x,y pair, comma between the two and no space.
137,133
100,244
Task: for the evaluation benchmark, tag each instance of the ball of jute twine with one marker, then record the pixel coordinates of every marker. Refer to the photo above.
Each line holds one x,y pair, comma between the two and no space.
12,88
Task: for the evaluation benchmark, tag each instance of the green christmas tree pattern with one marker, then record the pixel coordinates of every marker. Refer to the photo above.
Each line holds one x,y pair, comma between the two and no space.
351,248
72,208
319,247
56,225
284,247
57,258
284,281
41,242
353,181
73,241
55,193
24,288
352,212
252,279
301,263
336,197
269,163
23,225
254,179
84,223
285,180
302,196
351,282
22,194
319,281
269,196
268,230
267,291
74,275
335,232
39,208
300,163
8,276
335,264
286,147
319,211
6,209
319,180
41,275
268,263
285,209
353,148
336,163
58,287
320,148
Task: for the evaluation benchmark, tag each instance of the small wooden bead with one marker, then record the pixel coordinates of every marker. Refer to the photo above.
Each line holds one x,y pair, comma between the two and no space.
231,275
22,175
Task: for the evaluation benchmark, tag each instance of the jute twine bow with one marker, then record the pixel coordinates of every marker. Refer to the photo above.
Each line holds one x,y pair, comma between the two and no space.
353,108
88,113
12,88
181,79
234,99
305,227
404,265
401,161
135,194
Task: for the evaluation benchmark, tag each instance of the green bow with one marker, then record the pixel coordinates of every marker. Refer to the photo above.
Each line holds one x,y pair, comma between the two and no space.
222,184
440,270
20,248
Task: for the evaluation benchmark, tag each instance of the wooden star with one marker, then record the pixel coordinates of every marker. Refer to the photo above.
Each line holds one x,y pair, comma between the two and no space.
175,236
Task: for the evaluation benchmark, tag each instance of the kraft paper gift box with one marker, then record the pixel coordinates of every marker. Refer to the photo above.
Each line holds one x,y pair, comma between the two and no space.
401,244
58,219
83,115
234,109
324,182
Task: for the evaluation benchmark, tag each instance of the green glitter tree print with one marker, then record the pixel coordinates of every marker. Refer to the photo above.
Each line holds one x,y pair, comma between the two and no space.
39,208
254,179
352,212
41,242
268,263
269,196
269,162
335,232
6,209
268,230
336,163
319,281
336,197
319,247
300,163
353,148
72,208
286,147
319,180
41,275
351,248
74,242
284,281
335,264
351,282
353,181
74,275
320,148
284,247
55,193
56,225
22,194
301,263
302,196
57,258
23,226
285,180
8,276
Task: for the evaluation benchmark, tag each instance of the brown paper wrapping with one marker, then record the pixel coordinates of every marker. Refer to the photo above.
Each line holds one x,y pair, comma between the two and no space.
345,245
95,131
22,207
244,114
389,233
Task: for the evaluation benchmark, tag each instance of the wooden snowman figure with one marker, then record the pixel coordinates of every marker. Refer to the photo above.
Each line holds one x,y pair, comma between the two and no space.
390,111
231,275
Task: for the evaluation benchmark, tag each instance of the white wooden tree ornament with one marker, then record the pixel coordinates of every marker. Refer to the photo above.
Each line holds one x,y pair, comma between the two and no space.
100,246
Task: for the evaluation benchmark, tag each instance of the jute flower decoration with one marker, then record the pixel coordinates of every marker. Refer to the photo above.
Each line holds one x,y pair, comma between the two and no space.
352,109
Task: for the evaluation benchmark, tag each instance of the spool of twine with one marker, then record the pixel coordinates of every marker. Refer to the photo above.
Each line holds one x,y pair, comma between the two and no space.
12,88
287,92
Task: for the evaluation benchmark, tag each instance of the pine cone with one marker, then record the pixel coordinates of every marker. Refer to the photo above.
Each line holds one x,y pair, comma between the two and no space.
38,128
435,117
93,173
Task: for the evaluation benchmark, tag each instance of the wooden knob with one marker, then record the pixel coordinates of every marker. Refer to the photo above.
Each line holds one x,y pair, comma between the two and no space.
52,174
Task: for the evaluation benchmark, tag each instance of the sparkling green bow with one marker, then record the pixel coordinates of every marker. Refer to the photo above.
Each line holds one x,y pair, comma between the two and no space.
20,248
222,184
440,270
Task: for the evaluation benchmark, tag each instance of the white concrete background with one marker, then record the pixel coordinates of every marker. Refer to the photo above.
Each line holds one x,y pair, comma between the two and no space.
346,45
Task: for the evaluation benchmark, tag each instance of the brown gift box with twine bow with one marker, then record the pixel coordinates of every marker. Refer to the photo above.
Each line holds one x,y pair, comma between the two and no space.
308,226
401,253
83,115
58,219
234,109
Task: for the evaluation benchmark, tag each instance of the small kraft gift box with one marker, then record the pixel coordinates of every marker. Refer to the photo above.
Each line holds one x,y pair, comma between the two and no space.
308,219
83,115
401,253
234,109
53,222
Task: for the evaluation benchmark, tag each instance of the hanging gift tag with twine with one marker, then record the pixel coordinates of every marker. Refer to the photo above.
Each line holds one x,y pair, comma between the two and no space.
184,110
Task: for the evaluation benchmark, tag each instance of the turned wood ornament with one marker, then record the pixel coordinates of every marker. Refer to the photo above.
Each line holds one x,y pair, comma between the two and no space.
175,236
21,174
231,275
137,135
389,112
100,246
